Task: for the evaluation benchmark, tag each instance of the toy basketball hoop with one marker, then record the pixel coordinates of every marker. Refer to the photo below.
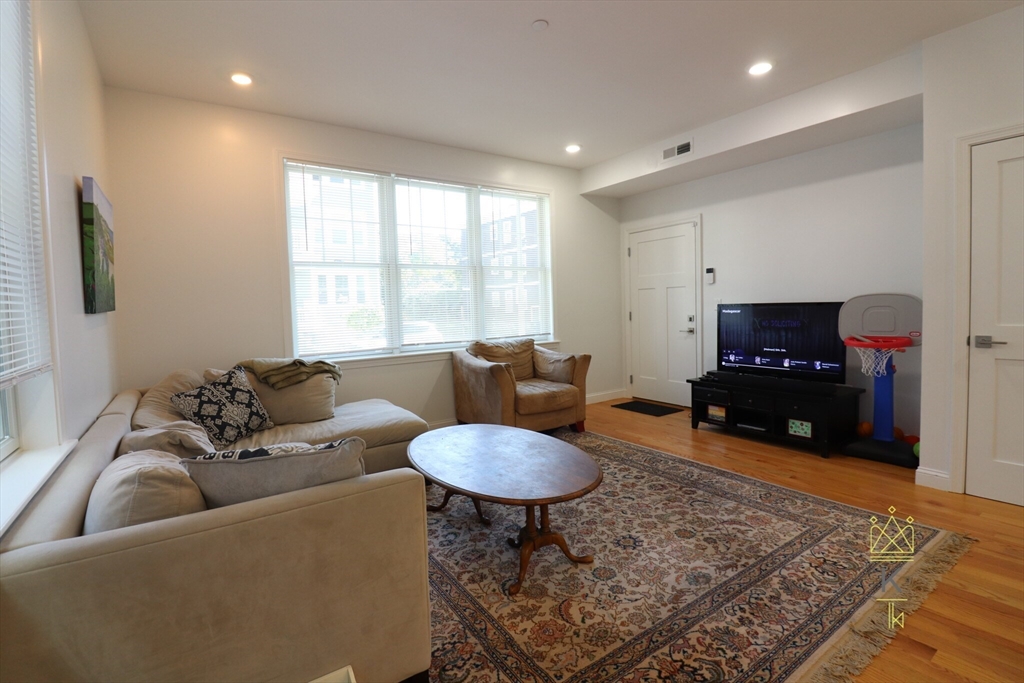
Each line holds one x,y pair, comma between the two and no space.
876,351
877,326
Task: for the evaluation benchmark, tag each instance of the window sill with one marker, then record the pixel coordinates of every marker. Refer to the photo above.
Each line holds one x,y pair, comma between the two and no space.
358,362
22,474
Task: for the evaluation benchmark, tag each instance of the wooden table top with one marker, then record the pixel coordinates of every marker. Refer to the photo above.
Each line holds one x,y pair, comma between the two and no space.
504,464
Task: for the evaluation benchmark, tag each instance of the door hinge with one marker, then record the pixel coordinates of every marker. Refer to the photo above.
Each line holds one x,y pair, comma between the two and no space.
629,252
631,379
968,341
631,316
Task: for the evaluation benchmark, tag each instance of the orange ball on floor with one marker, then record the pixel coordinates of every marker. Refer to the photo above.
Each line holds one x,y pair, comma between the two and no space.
865,430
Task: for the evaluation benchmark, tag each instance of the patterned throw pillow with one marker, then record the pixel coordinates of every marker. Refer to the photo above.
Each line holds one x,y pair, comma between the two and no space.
227,408
229,477
264,451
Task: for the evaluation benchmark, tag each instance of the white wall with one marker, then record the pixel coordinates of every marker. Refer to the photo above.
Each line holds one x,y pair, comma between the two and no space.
202,266
825,225
69,99
973,83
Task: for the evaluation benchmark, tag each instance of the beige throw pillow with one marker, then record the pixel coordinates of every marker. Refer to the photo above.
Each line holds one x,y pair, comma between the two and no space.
182,439
309,401
229,477
155,408
141,487
519,353
554,367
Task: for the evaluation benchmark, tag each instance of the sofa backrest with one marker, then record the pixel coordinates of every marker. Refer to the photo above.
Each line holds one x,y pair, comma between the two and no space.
57,511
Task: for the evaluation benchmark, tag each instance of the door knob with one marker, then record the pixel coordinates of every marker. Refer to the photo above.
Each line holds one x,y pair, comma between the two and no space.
984,341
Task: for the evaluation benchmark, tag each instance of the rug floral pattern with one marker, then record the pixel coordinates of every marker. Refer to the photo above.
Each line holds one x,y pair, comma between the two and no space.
699,575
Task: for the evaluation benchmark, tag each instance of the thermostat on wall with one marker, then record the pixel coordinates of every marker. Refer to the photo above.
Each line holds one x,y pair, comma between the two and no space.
709,276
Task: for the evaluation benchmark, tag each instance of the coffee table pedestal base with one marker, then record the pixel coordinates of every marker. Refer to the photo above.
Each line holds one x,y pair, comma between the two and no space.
531,538
448,493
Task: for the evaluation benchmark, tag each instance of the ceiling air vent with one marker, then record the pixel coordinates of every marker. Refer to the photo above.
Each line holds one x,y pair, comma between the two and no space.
676,151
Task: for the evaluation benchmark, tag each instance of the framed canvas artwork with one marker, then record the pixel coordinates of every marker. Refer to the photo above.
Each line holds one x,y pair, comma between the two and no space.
97,248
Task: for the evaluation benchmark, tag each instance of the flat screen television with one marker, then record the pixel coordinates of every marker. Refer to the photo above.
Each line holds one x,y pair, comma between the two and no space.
797,341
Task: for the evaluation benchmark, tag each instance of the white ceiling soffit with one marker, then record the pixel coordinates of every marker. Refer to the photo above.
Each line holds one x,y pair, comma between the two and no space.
873,100
611,76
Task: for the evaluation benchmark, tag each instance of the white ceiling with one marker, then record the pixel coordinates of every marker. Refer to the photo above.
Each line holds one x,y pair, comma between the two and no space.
610,76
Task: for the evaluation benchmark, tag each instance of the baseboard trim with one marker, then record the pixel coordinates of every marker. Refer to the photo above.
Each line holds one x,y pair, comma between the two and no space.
607,396
934,479
442,423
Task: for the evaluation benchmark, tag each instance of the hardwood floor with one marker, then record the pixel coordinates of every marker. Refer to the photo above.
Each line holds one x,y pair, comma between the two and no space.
970,628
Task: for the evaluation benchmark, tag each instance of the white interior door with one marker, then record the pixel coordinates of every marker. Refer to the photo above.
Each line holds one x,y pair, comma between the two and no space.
995,423
663,312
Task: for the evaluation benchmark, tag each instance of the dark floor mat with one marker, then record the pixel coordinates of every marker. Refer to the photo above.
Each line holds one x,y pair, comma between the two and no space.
653,409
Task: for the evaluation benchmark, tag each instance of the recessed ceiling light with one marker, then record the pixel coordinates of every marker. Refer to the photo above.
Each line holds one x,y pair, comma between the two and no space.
241,79
540,25
760,69
572,149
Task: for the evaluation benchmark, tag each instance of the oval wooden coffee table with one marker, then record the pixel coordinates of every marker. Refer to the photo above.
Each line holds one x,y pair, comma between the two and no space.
508,466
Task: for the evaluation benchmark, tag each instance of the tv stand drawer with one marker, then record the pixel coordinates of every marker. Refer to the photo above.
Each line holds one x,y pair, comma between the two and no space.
800,409
717,396
750,401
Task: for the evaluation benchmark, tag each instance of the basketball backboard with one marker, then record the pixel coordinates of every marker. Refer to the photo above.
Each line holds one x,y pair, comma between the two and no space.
883,315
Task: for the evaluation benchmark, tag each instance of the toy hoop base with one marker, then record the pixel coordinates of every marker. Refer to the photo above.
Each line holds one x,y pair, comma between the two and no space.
875,352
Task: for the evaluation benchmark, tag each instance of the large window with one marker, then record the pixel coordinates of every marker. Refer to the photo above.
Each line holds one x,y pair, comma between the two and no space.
384,264
24,315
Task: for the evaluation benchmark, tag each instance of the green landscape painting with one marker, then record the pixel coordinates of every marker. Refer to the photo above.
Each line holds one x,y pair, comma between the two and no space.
97,248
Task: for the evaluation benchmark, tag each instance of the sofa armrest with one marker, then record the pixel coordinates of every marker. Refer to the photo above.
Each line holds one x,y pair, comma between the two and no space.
485,392
290,587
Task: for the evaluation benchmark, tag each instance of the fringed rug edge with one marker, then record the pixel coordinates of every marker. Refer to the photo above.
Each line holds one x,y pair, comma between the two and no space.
850,652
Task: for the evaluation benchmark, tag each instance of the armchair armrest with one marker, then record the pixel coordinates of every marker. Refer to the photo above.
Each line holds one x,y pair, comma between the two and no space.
485,392
579,380
285,588
579,374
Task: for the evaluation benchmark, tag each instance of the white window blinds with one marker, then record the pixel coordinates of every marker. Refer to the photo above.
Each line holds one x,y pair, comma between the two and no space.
24,318
382,264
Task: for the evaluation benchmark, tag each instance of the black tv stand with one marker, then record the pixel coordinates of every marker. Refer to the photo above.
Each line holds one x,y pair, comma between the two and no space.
815,414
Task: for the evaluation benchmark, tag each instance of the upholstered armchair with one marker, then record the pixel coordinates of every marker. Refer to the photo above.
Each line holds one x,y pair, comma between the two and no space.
520,385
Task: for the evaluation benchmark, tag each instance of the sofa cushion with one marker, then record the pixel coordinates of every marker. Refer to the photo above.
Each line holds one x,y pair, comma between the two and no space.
155,407
518,352
375,420
57,511
542,396
554,367
308,401
227,408
238,475
182,438
141,487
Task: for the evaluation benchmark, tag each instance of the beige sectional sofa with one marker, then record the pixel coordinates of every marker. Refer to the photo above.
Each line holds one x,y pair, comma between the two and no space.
285,588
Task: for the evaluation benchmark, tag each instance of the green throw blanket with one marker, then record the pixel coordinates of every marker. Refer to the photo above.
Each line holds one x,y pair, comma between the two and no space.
284,372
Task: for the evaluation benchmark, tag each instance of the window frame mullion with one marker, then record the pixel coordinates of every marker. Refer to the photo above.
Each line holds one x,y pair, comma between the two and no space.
476,271
545,239
389,259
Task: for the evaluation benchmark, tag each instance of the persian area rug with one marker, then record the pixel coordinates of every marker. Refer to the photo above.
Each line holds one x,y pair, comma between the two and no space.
699,574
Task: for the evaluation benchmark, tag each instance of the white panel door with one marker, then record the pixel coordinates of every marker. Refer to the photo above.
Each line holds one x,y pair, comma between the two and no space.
995,423
663,305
